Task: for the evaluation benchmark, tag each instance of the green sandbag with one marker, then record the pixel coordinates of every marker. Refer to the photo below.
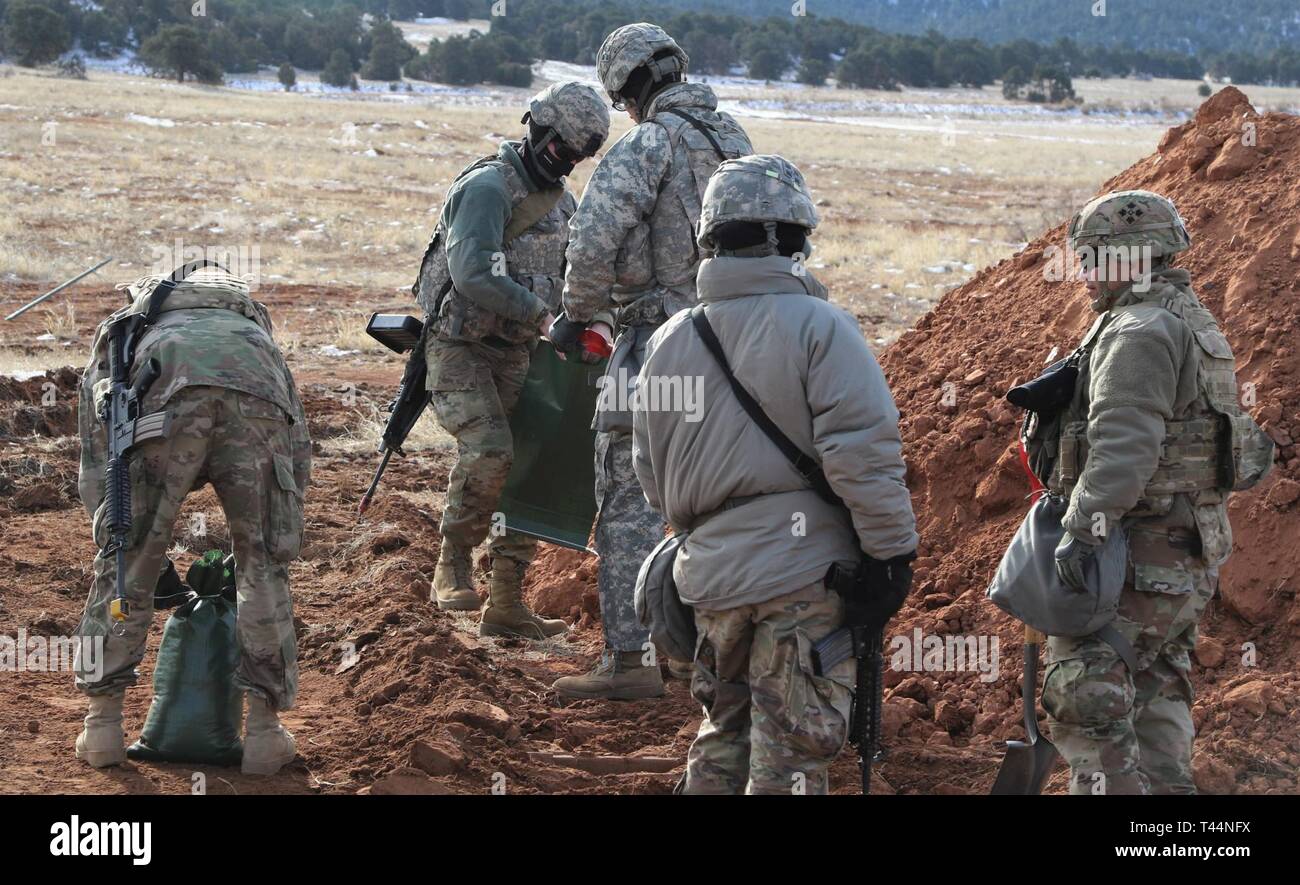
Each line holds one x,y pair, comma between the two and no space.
550,493
197,712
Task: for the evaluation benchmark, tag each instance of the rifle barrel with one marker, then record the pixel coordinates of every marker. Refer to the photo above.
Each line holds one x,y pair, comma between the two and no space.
374,484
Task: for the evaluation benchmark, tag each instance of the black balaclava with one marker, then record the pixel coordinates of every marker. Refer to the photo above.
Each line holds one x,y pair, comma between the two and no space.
545,167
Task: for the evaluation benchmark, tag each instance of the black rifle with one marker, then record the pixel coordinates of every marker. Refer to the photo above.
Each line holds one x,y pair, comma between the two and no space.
866,646
400,334
120,416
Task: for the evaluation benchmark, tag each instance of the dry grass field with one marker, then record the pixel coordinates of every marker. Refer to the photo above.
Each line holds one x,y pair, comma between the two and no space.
917,188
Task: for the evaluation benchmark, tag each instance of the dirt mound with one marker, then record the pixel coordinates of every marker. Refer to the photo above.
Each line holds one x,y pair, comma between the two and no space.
45,405
1231,172
38,441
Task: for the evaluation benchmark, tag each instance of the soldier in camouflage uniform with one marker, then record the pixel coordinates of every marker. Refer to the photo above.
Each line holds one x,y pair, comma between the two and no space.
1154,440
237,423
762,541
489,284
632,262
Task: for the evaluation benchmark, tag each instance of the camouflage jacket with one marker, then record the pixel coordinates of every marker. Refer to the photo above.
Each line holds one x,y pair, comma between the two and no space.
479,277
209,333
1142,441
632,242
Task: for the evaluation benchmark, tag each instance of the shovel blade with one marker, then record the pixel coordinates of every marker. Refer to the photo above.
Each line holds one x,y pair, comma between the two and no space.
1025,768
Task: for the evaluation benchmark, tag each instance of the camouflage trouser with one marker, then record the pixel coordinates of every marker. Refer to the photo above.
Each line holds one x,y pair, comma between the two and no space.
770,725
1131,733
627,531
240,443
475,386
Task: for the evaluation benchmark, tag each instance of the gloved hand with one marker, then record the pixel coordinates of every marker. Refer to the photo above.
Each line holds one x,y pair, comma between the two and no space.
170,591
1071,557
879,591
564,334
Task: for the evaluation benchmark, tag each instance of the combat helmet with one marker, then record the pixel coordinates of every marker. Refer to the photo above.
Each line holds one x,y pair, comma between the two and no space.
1130,219
763,188
573,113
635,46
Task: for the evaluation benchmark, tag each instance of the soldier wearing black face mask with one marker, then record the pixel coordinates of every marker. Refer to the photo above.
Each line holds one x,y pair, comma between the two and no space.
489,284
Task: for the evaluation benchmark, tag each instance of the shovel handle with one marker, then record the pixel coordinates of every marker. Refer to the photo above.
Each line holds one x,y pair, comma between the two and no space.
1034,637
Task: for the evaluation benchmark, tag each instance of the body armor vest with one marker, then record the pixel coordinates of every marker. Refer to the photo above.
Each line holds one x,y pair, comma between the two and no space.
1211,450
533,250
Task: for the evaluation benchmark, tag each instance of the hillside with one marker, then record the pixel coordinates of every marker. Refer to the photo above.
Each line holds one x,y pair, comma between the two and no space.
1181,25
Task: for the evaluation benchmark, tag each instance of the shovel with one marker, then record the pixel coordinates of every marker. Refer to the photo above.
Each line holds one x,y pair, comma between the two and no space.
1027,764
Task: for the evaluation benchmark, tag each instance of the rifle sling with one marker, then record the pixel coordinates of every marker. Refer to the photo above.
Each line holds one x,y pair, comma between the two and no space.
807,466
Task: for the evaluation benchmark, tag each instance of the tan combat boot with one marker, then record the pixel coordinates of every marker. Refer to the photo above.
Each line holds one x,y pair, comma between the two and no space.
101,742
506,614
453,586
268,746
620,676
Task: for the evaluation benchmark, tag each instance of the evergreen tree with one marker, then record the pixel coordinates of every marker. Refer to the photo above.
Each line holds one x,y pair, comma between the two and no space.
388,52
34,33
178,50
338,71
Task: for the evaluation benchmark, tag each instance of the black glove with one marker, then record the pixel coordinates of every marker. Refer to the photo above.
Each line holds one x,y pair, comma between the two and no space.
1072,556
564,334
170,591
875,591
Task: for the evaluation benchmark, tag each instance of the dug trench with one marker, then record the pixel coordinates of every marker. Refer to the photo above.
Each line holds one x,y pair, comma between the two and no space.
398,697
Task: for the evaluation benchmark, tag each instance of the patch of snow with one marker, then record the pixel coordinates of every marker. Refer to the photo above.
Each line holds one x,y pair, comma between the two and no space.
161,122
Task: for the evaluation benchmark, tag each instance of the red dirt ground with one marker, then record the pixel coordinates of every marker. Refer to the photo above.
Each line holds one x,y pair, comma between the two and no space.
428,707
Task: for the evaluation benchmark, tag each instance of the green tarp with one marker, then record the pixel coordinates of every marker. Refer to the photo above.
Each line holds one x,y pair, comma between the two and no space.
550,493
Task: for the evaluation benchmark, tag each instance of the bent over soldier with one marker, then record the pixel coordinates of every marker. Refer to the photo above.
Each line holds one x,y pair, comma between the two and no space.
235,422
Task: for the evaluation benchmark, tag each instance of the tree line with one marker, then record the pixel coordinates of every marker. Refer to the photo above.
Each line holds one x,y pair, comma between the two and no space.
344,39
812,49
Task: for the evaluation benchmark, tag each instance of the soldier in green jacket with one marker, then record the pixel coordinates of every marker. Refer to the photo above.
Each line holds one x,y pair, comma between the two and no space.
489,285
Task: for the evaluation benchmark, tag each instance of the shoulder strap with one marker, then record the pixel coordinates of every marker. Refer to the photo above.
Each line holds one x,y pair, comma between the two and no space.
807,466
703,130
1112,637
166,286
530,210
